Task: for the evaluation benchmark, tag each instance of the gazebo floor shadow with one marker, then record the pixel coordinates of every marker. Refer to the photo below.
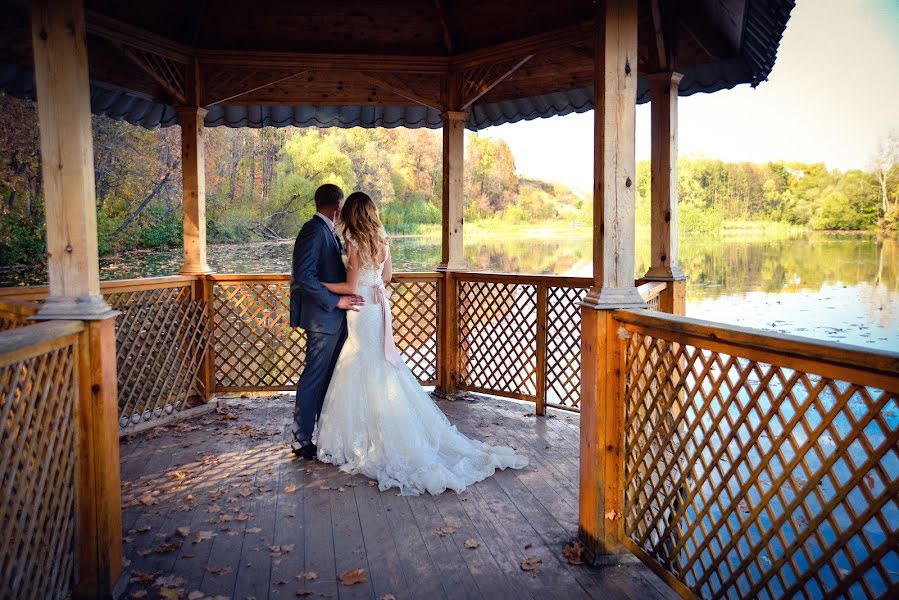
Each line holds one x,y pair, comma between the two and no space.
217,505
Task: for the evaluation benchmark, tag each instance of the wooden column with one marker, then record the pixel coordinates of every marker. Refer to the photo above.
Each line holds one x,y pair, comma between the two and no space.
601,494
194,190
615,89
63,102
67,155
452,256
664,260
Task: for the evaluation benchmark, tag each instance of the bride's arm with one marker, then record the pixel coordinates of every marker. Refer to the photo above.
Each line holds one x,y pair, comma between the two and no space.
387,271
353,269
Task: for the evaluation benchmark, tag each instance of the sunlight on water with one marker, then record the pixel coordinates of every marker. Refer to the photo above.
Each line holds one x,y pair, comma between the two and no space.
841,288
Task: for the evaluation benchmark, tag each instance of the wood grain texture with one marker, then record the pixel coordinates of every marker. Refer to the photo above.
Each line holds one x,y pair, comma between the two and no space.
615,90
193,178
328,522
64,118
663,195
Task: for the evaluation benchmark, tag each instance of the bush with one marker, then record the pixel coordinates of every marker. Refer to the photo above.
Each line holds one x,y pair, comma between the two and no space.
836,212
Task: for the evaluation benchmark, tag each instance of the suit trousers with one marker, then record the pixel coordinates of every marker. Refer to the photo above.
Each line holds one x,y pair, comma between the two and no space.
322,350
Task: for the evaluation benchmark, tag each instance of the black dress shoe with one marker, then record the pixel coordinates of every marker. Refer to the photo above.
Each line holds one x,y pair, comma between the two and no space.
304,451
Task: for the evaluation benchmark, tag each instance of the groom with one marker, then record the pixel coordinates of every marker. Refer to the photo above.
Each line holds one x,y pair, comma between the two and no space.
316,259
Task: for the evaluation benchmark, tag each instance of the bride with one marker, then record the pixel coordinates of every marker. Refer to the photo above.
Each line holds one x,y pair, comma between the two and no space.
377,420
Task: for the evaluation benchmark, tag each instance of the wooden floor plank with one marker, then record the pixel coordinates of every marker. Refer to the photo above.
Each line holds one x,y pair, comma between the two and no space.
237,462
386,569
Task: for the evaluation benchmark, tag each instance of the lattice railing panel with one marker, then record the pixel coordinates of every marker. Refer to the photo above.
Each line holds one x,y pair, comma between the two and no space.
563,347
498,337
254,345
749,479
414,310
162,336
37,474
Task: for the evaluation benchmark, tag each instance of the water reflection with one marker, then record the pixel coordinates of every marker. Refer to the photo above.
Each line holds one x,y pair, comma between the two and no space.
837,287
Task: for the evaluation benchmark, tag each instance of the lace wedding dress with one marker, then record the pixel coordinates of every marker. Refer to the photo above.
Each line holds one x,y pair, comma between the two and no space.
378,421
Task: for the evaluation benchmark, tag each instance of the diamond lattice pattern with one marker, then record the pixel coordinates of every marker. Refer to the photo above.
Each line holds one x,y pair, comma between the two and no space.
498,337
563,346
37,475
161,341
752,480
414,305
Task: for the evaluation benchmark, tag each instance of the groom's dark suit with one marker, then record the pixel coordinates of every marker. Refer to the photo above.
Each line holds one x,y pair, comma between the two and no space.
316,258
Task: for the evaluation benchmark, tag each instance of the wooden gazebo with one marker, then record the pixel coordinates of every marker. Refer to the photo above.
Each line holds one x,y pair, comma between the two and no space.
700,444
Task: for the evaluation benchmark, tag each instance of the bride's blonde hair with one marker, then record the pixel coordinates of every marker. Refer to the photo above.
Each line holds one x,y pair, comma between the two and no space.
360,226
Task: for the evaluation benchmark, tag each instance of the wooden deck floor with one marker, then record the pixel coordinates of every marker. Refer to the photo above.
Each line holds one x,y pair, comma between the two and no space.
218,505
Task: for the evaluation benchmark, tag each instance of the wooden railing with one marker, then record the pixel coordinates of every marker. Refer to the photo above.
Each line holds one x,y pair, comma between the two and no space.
519,336
254,347
161,341
38,460
758,465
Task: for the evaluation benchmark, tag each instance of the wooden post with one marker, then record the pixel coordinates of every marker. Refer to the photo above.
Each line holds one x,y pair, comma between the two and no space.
448,336
194,190
453,257
61,79
452,251
98,487
203,292
664,260
615,89
542,326
601,497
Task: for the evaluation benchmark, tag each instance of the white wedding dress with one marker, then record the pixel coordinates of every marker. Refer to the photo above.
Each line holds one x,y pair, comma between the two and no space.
378,421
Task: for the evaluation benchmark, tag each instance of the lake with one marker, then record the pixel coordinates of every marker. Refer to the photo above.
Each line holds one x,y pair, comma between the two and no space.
836,287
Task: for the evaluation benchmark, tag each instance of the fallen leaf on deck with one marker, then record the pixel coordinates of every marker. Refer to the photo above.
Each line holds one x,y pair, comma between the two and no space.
196,595
574,552
387,597
202,536
144,576
528,546
183,531
139,594
531,563
214,508
308,575
372,483
302,593
217,570
613,515
143,529
170,581
471,544
148,499
445,530
166,548
170,594
179,475
291,488
144,551
277,551
254,530
243,493
352,577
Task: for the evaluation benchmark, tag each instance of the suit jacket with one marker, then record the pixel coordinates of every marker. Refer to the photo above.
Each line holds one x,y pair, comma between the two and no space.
316,258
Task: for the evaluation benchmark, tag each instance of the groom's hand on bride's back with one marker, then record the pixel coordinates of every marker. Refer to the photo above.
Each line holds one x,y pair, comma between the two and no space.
350,302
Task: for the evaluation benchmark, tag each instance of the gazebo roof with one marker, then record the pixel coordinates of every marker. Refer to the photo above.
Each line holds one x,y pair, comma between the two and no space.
387,63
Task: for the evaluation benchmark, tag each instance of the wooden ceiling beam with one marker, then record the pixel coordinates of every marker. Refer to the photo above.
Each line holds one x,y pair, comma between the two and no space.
326,62
121,33
444,27
482,87
389,83
164,73
659,36
256,88
535,44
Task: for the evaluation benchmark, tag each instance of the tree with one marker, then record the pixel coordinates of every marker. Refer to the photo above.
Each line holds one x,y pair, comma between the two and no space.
884,167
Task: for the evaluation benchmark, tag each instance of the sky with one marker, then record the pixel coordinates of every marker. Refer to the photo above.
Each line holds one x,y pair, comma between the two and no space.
833,93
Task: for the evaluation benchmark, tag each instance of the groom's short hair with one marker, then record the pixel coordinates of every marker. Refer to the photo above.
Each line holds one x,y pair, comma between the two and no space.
328,196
